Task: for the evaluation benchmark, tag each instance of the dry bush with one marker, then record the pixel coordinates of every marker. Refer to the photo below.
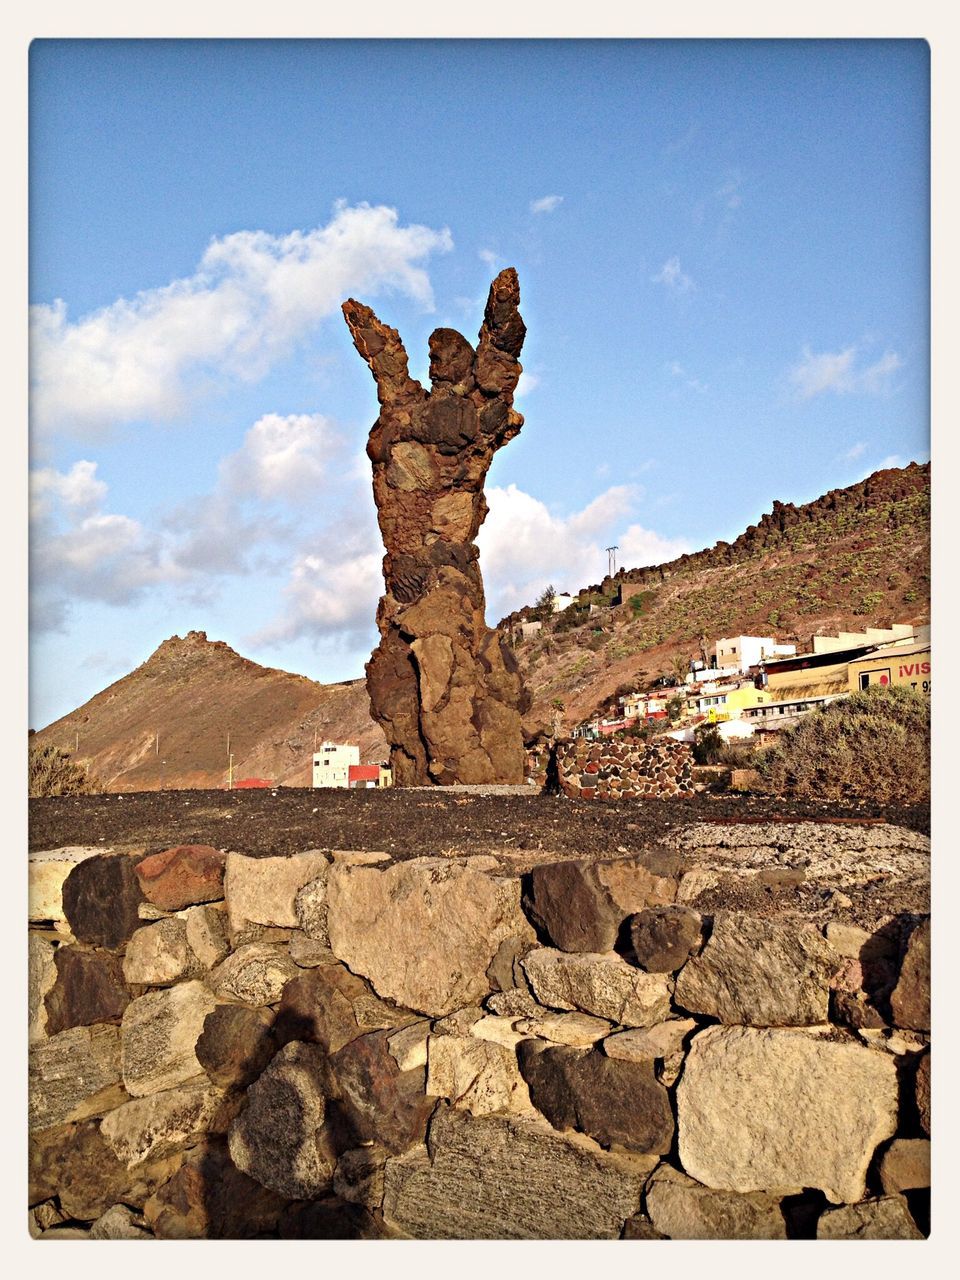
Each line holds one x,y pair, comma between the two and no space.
875,744
53,773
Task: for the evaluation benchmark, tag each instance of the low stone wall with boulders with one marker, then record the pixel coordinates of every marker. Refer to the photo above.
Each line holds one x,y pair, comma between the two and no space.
726,1036
624,771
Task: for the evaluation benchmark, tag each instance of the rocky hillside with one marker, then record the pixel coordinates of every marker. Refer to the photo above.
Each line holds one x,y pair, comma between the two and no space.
191,693
853,558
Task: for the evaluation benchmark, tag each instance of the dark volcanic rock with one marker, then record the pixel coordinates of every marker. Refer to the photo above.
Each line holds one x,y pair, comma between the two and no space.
922,1093
89,988
910,1001
331,1006
182,876
582,905
330,1219
664,937
446,691
101,896
610,1100
375,1100
236,1044
208,1198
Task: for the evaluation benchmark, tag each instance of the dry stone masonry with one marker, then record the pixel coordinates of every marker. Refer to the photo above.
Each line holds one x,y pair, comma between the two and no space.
669,1044
623,771
445,689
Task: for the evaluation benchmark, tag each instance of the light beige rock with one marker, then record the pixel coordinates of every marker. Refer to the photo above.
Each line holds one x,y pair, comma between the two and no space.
515,1003
264,890
310,906
578,1029
905,1165
424,931
662,1041
120,1223
358,857
758,972
886,1218
459,1022
408,1046
47,871
164,1123
510,1178
207,934
308,953
478,1076
159,955
497,1031
779,1110
159,1035
41,977
279,1138
599,983
254,974
683,1209
694,883
846,939
74,1075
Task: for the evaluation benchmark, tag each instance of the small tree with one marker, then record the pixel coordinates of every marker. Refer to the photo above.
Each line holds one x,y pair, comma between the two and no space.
674,708
53,773
544,606
707,744
680,667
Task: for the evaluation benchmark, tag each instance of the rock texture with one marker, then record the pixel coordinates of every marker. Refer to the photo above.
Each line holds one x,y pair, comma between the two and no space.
331,1006
581,905
445,689
910,1001
374,1099
236,1044
624,771
89,989
100,900
74,1075
208,1198
683,1209
479,1076
182,876
264,890
425,931
886,1218
506,1178
159,1037
664,937
149,1128
759,973
160,954
780,1110
47,872
601,984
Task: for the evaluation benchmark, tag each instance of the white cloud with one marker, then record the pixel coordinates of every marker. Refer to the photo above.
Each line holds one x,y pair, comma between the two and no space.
673,277
252,297
546,204
855,451
728,193
837,371
527,382
524,546
676,369
330,592
488,256
77,489
891,460
282,458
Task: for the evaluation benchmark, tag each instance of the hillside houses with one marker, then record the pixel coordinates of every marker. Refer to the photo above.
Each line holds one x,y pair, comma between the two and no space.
755,686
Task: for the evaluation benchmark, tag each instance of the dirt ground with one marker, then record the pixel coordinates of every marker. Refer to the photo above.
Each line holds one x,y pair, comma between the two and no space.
408,823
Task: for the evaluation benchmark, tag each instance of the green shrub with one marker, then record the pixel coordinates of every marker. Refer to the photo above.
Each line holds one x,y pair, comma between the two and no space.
707,744
53,773
874,745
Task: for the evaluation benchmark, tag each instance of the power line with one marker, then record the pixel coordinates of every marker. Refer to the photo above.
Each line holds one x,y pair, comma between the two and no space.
612,560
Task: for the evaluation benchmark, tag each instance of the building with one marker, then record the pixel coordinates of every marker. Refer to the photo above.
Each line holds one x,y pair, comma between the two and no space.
900,631
906,664
826,669
744,652
726,704
362,776
773,716
563,600
331,764
528,629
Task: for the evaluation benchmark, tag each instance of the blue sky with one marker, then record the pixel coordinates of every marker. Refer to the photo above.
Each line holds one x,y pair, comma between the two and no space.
723,260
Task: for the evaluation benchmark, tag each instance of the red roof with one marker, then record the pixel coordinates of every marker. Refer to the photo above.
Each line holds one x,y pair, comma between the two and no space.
251,782
364,773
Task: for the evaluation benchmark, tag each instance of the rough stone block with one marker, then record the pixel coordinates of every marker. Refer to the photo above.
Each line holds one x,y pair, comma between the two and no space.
781,1110
683,1209
159,955
611,1101
280,1139
601,984
74,1075
120,1223
236,1044
182,876
424,931
885,1218
330,1006
578,1029
922,1093
255,973
41,976
905,1165
663,938
208,1198
478,1076
641,1043
207,934
89,989
759,972
159,1035
100,900
375,1100
264,890
47,871
582,905
910,1001
510,1178
310,906
165,1123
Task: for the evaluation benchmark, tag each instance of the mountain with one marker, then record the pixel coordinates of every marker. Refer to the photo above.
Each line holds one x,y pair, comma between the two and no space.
166,723
853,558
856,557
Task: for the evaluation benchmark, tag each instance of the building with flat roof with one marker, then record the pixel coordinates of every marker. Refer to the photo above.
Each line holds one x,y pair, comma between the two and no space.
331,764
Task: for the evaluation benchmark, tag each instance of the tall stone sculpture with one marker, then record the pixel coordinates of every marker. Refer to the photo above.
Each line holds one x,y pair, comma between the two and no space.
446,691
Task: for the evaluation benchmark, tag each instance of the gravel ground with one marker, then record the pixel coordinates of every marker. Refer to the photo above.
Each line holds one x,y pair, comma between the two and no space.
410,822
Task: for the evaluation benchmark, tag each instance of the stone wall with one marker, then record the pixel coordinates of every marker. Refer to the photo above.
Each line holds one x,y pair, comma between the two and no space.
624,771
724,1037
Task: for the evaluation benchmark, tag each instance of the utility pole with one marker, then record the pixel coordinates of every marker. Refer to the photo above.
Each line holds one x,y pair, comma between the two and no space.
612,560
228,742
230,775
158,742
78,740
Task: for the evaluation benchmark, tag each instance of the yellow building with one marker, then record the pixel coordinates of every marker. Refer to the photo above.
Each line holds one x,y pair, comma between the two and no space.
726,704
906,664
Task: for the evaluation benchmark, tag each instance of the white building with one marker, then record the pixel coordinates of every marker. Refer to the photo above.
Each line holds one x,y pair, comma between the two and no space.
331,764
744,652
562,601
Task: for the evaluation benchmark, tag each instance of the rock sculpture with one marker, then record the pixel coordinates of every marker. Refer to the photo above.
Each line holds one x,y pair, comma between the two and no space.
446,690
